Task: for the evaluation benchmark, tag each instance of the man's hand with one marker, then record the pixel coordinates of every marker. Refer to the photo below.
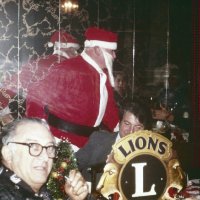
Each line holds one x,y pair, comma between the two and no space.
110,158
76,187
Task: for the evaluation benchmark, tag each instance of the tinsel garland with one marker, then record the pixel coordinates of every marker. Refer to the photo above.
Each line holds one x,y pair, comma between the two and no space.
64,162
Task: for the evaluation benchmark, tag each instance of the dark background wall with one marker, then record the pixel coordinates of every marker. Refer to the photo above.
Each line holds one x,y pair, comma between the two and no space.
157,31
152,33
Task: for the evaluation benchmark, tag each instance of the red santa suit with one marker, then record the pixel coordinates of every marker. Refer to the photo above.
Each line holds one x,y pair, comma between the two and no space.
77,92
36,70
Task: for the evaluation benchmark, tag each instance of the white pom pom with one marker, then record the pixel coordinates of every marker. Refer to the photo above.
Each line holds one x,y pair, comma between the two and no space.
50,44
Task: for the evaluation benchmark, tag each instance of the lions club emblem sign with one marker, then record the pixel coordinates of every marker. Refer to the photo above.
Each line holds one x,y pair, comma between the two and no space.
138,168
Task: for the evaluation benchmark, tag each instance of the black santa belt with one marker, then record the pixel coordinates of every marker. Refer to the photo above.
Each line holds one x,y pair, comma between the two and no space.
70,127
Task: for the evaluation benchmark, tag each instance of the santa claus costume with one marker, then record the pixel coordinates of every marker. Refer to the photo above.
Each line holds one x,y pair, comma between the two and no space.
37,69
77,95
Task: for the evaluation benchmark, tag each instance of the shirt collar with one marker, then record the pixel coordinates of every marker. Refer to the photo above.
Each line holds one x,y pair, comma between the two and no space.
118,137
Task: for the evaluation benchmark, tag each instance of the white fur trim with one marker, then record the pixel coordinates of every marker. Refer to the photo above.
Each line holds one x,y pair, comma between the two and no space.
50,44
107,45
66,45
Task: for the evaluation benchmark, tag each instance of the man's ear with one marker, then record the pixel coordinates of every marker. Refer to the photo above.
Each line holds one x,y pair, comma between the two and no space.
7,154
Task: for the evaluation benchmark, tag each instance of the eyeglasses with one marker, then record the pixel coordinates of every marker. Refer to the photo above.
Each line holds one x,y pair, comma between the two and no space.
36,149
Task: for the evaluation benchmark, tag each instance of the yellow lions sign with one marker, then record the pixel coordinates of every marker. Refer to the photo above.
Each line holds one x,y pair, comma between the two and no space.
141,167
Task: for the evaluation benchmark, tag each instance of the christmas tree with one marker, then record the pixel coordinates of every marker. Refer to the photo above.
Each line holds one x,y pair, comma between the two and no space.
64,162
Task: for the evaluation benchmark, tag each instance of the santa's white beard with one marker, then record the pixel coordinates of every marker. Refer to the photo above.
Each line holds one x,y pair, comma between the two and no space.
109,65
61,53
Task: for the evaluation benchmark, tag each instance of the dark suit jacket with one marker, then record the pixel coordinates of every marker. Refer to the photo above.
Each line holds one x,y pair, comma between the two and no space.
95,151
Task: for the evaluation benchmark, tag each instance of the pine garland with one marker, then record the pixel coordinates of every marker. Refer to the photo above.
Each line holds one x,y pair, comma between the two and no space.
64,162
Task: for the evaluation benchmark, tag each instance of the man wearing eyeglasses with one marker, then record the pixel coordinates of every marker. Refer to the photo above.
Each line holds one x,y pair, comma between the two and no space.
134,116
28,149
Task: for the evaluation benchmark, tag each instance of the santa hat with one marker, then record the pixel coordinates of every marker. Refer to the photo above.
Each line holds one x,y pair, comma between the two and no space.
100,37
62,39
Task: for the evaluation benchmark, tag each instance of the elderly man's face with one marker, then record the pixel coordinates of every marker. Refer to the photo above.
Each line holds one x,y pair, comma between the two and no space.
111,53
129,124
33,170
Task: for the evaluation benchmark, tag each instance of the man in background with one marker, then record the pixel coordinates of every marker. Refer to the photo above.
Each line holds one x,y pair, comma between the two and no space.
121,87
134,116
